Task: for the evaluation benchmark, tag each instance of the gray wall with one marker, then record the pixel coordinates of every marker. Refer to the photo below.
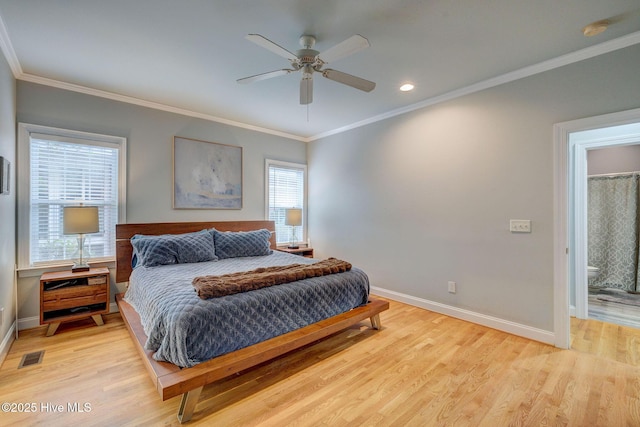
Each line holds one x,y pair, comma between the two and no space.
426,197
7,202
613,160
416,200
149,136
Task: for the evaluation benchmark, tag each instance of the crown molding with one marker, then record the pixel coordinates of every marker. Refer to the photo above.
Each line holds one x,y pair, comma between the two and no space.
150,104
570,58
7,50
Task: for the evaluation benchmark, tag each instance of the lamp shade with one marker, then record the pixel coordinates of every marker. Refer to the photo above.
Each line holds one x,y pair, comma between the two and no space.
80,220
293,217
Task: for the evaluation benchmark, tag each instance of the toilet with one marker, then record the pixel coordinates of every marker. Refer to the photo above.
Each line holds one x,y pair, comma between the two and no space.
592,272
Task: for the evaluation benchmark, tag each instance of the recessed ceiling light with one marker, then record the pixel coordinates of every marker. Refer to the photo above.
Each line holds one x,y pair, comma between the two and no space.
595,28
406,87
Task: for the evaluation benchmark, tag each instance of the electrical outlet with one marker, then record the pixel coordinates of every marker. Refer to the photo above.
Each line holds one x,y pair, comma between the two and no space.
520,226
452,287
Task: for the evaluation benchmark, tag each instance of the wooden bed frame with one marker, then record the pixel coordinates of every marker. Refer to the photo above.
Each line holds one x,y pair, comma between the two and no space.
171,380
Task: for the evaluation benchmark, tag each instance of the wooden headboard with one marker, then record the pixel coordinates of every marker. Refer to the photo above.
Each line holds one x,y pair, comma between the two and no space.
124,232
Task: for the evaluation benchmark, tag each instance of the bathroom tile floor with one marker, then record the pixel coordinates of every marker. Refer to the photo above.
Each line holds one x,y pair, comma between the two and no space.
614,312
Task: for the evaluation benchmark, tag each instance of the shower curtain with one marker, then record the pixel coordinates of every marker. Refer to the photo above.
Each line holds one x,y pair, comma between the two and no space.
613,226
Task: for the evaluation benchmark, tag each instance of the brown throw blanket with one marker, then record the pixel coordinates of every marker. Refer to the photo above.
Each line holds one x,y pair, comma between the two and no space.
244,281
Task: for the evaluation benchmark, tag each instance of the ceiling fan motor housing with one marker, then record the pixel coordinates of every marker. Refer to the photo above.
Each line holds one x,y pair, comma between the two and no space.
307,56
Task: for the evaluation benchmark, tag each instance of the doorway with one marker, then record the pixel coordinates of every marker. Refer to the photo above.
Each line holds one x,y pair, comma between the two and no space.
580,143
572,140
612,212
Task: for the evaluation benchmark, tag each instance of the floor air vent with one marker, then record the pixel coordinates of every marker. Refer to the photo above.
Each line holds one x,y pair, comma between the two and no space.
31,359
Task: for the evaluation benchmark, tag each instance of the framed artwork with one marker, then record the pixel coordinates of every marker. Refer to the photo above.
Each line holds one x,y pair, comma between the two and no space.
5,174
206,175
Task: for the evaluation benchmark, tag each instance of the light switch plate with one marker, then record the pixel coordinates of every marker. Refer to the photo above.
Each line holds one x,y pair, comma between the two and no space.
520,226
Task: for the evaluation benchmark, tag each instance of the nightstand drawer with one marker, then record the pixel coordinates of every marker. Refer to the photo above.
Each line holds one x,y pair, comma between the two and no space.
97,280
73,297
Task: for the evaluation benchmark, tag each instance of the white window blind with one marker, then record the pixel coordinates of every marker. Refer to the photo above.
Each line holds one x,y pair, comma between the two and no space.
286,189
67,171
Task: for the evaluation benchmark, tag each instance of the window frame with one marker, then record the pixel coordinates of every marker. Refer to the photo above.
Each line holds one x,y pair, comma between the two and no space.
25,130
290,165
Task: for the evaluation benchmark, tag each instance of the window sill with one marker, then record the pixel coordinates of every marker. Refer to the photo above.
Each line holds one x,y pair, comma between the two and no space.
37,271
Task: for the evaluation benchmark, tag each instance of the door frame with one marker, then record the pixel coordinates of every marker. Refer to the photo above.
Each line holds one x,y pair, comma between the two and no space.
570,251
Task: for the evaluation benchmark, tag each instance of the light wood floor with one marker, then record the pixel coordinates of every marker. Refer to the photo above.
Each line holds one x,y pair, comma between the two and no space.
422,369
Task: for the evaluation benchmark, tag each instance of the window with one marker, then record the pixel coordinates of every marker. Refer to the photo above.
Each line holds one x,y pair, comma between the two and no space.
286,188
67,168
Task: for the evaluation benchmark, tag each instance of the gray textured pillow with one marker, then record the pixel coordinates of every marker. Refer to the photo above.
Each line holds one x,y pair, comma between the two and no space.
150,251
165,249
195,247
234,244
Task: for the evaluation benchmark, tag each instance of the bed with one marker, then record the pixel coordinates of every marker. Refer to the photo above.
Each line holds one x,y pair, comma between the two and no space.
175,374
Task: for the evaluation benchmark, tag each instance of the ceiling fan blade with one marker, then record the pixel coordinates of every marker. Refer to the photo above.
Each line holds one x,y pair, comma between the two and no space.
306,90
269,45
264,76
350,46
349,80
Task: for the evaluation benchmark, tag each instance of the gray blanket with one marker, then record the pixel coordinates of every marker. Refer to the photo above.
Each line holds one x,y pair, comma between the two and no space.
186,330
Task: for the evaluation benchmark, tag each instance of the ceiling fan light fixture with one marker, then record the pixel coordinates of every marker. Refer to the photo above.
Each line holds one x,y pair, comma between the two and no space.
407,87
596,28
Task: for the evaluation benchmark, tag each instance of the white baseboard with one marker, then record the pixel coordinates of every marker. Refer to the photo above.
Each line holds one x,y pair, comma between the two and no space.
529,332
572,310
8,339
34,322
28,323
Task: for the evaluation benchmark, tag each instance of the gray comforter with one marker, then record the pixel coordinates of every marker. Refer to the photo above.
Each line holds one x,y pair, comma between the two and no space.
186,330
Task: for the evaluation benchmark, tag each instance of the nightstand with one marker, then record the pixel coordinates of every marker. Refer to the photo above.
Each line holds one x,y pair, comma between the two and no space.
302,251
67,296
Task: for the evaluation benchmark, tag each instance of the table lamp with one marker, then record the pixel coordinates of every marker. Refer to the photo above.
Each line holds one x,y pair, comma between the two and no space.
80,220
293,217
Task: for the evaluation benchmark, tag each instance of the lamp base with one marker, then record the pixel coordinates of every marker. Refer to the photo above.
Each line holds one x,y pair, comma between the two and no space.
80,267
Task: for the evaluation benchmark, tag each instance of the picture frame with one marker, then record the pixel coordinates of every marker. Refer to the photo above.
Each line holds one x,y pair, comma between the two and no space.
5,175
206,175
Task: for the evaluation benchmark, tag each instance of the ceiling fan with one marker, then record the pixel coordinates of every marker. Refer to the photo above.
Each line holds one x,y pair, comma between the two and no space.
310,61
